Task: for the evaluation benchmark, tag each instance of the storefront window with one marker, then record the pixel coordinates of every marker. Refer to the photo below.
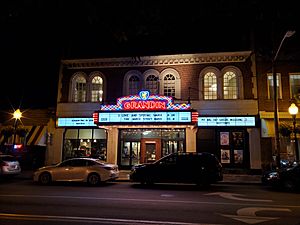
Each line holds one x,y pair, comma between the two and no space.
85,143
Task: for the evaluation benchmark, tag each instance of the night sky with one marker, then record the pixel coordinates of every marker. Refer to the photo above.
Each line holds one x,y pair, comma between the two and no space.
36,35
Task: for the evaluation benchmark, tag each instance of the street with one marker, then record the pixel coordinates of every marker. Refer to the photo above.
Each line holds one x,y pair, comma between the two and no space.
24,202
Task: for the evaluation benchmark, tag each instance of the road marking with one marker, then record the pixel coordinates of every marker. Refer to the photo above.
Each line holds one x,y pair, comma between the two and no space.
232,196
90,219
248,215
141,200
167,195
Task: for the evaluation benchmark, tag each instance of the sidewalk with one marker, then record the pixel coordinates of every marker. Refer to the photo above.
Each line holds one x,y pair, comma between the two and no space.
227,178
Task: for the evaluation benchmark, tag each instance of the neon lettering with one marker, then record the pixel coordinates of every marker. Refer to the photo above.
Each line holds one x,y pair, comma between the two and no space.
145,105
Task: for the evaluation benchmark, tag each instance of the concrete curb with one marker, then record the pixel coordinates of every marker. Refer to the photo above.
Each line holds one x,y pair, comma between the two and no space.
227,178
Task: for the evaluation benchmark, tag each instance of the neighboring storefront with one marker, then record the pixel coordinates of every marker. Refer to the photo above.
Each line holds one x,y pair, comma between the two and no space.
143,128
229,137
81,138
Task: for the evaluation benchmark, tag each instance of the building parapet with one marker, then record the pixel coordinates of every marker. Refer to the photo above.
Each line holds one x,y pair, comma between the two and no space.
160,60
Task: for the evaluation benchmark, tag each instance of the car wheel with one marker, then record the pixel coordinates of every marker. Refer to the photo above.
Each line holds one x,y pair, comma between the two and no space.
289,185
93,179
45,178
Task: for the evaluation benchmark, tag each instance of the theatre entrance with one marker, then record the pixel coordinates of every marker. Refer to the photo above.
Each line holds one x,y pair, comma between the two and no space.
147,145
150,150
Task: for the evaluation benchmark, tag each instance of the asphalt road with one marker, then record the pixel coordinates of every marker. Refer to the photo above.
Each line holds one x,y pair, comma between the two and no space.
22,202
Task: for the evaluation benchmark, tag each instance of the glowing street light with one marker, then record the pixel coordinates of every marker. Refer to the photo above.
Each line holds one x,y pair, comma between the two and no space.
17,116
276,118
293,110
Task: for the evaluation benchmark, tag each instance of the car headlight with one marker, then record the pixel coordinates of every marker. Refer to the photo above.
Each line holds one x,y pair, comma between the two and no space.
273,175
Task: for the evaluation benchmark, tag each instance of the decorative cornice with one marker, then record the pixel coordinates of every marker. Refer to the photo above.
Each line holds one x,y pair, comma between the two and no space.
160,60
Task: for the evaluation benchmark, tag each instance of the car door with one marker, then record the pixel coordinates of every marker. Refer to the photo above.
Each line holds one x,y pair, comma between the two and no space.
165,170
61,171
78,169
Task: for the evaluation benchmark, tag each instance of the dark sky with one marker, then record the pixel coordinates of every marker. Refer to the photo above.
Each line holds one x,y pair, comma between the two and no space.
37,34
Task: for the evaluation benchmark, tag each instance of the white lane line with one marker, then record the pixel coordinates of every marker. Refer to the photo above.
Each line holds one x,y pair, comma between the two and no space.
90,219
145,200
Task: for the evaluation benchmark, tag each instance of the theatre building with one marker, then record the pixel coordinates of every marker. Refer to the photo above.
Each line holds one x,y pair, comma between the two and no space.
135,110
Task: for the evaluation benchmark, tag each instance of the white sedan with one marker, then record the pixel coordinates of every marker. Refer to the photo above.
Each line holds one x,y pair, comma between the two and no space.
9,165
92,171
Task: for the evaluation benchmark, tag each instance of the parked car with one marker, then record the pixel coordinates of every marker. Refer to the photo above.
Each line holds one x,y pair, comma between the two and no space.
92,171
286,178
199,168
9,165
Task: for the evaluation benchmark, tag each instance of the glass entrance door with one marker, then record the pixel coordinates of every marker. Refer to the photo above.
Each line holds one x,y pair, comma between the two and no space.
130,153
150,152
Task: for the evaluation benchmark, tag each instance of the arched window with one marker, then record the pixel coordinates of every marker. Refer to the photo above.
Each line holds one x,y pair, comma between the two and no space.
152,84
230,86
134,85
210,83
210,86
79,91
169,85
97,89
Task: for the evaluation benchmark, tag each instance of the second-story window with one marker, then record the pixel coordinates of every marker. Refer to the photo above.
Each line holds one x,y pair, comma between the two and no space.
97,89
230,90
271,86
210,86
134,85
295,86
80,89
152,84
169,85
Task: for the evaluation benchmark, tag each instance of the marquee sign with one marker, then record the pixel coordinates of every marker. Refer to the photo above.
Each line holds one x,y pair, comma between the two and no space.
144,101
145,108
234,121
75,122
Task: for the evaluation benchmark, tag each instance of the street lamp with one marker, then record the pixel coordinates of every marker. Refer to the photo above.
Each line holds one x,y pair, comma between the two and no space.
293,110
276,118
17,116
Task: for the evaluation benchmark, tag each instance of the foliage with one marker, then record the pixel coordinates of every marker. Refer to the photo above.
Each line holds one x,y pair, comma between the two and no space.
21,131
7,131
285,129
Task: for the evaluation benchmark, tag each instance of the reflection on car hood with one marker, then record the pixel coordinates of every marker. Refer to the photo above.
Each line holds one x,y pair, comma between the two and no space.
142,165
46,167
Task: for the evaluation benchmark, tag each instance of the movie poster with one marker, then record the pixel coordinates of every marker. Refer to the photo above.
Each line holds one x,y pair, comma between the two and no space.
238,156
238,139
224,138
225,156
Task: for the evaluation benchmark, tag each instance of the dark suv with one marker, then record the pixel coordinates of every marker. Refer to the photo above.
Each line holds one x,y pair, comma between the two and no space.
199,168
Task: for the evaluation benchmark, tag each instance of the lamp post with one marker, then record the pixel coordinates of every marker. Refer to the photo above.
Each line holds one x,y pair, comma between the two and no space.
276,118
293,110
17,116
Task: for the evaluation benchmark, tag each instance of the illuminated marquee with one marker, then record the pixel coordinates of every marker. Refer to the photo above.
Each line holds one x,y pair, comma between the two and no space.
145,108
233,121
145,101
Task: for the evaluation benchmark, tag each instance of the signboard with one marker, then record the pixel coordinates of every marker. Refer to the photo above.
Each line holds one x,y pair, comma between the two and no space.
145,108
75,122
234,121
145,117
144,101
